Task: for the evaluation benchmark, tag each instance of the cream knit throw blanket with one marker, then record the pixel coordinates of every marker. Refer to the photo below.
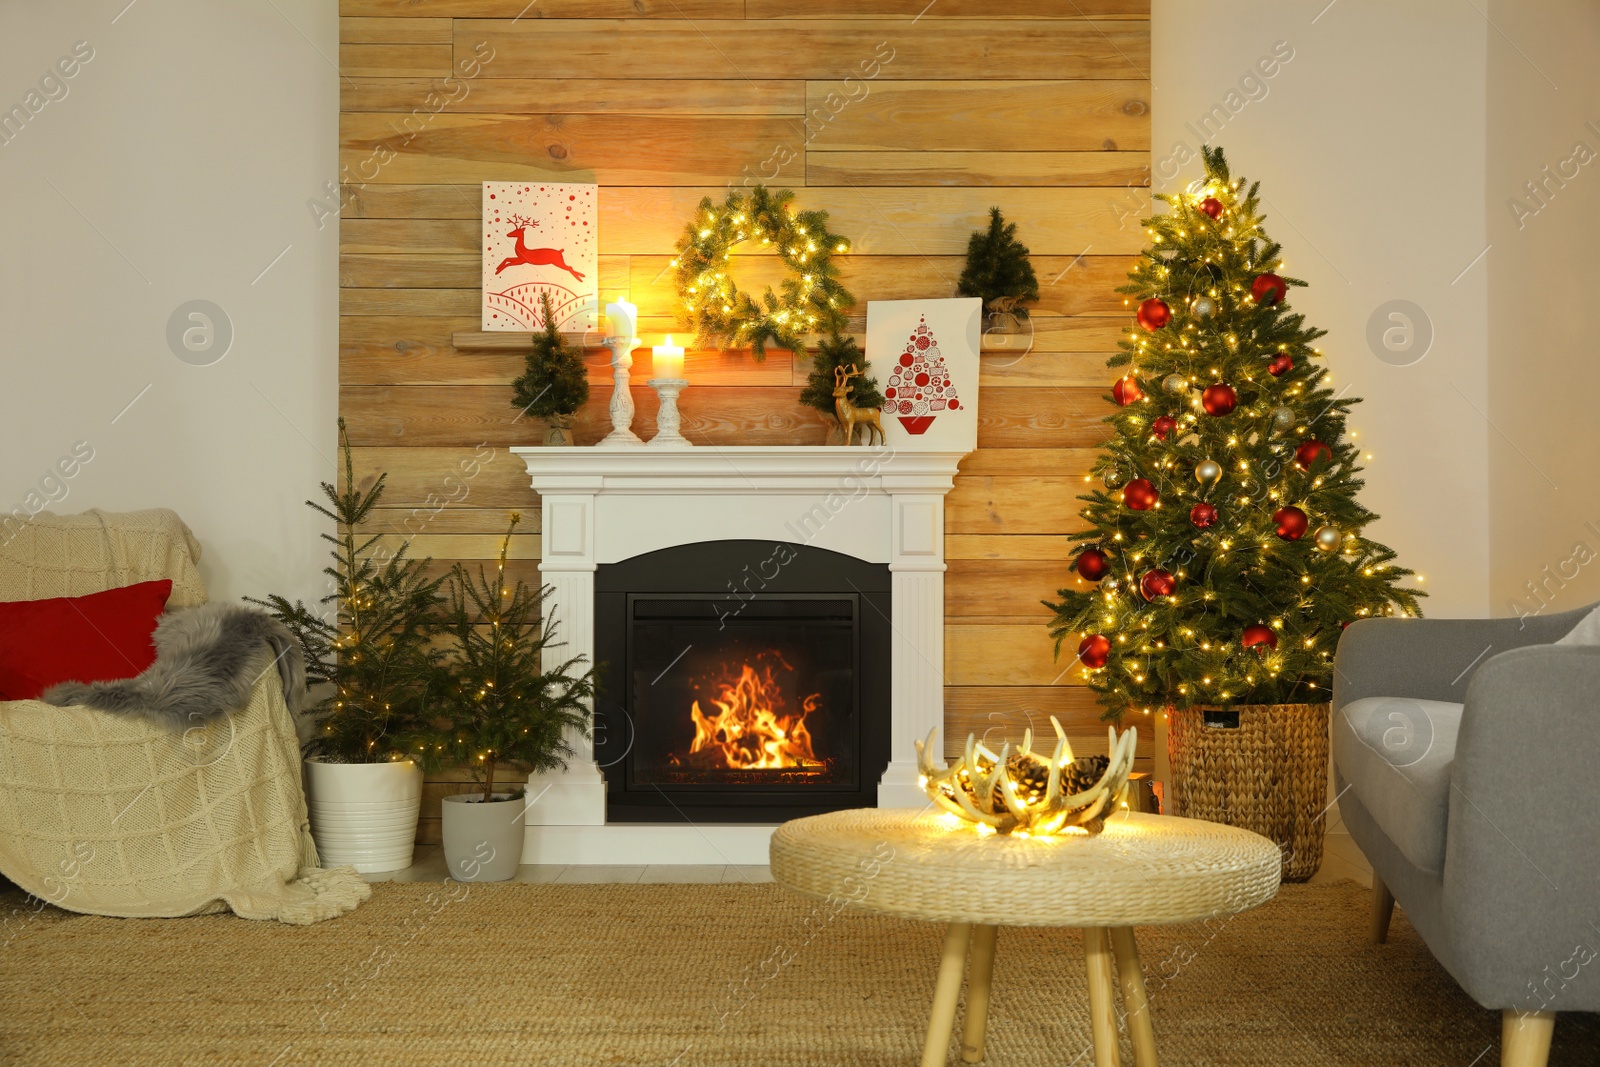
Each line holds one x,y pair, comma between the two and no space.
113,815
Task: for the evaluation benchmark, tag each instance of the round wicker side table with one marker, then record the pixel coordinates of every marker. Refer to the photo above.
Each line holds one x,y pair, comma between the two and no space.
1142,870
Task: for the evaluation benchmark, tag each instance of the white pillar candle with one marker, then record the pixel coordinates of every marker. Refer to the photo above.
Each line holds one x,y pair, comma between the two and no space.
668,360
622,318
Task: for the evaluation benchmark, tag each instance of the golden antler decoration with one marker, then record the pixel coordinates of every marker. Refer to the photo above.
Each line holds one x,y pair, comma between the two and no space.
1026,793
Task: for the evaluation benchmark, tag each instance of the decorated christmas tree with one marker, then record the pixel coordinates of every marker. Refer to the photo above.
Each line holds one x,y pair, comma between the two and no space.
502,703
1227,550
835,351
998,271
372,641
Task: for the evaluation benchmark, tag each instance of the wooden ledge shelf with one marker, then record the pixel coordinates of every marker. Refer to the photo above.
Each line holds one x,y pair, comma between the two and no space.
520,340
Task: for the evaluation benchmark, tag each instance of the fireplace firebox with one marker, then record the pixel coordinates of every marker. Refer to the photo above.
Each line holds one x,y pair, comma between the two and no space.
745,681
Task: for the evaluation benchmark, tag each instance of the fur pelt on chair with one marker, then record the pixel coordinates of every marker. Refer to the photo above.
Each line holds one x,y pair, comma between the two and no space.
208,658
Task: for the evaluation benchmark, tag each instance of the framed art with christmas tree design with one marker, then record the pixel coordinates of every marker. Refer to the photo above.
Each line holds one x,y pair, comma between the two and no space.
925,356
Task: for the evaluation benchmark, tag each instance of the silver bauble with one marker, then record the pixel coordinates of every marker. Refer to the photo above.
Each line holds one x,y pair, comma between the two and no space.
1329,538
1207,471
1175,384
1205,307
1113,477
1283,419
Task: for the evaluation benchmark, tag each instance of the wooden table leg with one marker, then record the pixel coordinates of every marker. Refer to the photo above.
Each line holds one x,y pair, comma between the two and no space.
1135,1001
1102,996
1525,1038
936,1049
979,978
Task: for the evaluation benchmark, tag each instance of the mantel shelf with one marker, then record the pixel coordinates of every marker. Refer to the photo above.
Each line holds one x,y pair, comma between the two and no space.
519,341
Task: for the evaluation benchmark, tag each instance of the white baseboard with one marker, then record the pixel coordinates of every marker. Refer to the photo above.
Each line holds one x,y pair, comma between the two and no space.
638,843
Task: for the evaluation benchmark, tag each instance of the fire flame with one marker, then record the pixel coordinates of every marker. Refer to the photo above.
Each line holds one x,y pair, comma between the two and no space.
749,730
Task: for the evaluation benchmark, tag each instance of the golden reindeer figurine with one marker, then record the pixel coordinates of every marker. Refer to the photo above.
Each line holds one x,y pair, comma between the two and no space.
848,414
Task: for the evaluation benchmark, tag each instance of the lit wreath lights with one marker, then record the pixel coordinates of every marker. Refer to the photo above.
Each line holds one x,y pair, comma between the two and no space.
812,300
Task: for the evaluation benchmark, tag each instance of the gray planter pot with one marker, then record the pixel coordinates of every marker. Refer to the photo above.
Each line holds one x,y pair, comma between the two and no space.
483,842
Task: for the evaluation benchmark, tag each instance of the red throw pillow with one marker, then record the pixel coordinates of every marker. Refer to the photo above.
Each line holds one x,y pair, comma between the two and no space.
102,637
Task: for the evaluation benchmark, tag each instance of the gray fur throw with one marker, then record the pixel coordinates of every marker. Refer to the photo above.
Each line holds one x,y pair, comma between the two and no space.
208,658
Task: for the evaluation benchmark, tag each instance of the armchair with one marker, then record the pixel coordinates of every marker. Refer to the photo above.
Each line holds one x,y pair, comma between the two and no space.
1467,764
120,815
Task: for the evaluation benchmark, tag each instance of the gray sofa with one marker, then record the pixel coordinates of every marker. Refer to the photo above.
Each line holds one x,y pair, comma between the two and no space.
1467,764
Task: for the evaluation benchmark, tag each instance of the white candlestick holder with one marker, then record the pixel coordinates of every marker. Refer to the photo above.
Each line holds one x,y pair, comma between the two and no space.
668,422
621,399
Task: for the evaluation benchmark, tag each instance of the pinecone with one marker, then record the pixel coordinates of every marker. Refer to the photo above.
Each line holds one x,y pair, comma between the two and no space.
1029,774
1082,773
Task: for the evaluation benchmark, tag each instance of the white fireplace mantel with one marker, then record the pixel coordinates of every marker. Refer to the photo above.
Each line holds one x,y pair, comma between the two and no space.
881,505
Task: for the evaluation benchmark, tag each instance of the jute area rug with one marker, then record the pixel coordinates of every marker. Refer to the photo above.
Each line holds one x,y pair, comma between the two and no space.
704,976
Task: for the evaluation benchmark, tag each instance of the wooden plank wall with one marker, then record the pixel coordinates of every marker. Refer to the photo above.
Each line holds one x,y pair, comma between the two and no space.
905,119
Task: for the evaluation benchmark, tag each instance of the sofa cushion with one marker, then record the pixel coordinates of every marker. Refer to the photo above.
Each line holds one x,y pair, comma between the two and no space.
1395,754
101,637
1587,632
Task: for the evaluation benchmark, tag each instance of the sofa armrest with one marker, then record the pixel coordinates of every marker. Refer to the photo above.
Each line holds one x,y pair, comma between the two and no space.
1431,659
1522,852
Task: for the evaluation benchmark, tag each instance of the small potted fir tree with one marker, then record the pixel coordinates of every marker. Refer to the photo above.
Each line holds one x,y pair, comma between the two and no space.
554,385
836,351
369,651
998,272
500,707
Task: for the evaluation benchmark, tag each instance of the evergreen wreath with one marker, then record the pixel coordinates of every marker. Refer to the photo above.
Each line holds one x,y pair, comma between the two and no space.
720,313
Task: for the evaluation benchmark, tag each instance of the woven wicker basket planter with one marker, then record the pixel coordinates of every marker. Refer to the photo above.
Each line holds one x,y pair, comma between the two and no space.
1268,773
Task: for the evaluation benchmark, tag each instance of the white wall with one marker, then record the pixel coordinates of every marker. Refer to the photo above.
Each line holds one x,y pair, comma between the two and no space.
1369,143
176,167
1544,374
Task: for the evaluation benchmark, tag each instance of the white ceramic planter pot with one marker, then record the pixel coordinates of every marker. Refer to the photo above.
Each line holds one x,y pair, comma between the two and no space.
483,842
364,814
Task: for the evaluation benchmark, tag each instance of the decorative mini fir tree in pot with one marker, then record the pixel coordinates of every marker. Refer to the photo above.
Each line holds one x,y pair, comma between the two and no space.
998,272
839,352
554,385
1227,550
501,706
371,646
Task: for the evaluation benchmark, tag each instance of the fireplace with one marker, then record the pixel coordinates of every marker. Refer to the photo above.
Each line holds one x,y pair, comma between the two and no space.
747,681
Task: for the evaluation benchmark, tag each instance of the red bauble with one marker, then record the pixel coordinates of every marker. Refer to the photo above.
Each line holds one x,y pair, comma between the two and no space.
1281,365
1092,564
1211,206
1292,523
1219,399
1126,391
1094,650
1163,425
1312,453
1140,494
1157,583
1258,636
1203,516
1268,288
1154,314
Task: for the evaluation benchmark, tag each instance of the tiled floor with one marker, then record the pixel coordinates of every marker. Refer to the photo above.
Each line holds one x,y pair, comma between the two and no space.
1341,859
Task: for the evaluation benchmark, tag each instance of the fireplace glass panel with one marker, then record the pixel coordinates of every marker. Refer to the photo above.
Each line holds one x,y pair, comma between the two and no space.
762,696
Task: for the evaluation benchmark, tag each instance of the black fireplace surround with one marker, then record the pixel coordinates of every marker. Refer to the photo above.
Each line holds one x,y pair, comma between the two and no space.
744,681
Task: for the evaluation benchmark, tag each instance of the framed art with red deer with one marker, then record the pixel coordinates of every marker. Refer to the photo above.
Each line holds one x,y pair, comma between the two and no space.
540,237
924,354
